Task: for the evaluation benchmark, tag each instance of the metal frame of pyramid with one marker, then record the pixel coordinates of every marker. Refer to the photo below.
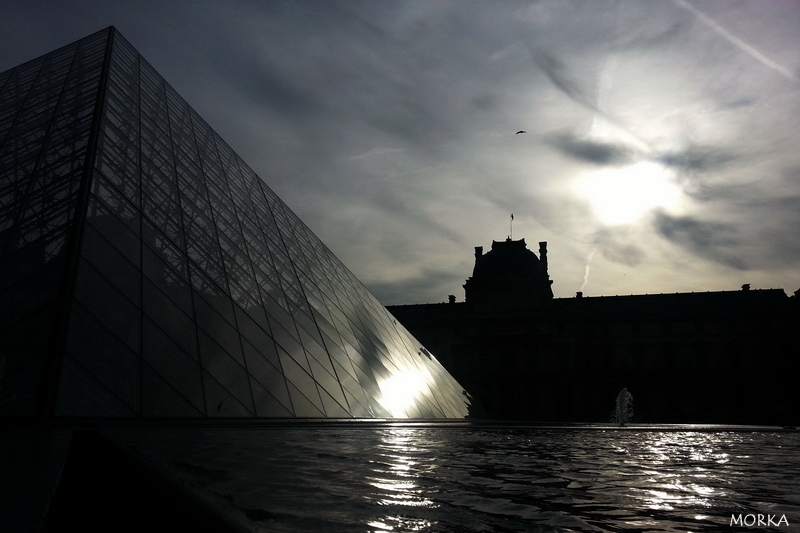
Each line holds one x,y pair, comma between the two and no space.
148,272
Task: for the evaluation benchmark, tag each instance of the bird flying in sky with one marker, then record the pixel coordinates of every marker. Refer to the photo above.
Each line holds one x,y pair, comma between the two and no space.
521,131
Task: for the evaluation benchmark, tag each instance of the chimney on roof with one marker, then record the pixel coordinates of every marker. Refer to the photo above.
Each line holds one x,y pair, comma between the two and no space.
579,294
746,287
478,251
543,256
451,298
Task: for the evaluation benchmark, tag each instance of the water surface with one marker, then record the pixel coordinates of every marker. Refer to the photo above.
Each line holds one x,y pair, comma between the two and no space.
399,479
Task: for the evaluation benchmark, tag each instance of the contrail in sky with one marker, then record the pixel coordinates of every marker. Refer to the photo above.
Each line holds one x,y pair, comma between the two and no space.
605,81
586,272
743,46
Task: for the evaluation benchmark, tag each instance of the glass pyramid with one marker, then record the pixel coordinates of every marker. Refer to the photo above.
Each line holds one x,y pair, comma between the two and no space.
147,271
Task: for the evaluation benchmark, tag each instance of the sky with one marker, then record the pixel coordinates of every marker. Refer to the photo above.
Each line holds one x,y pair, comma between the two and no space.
661,150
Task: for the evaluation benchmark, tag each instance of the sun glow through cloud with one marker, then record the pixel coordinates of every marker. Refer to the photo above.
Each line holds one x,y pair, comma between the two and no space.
624,195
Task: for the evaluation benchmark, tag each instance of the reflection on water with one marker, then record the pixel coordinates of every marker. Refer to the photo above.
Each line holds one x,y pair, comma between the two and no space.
456,479
691,486
395,474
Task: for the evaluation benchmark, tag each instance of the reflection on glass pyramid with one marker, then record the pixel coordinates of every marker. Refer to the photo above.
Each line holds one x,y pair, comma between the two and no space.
147,271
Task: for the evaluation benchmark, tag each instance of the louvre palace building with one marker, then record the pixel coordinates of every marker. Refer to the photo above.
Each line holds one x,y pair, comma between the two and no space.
724,357
148,276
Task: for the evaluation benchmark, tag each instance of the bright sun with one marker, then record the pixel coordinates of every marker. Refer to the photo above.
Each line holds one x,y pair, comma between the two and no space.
623,195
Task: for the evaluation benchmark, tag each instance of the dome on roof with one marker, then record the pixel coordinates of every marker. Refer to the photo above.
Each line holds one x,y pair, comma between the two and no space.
507,257
508,278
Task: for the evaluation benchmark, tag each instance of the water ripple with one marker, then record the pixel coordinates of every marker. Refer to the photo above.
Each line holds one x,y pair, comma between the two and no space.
467,480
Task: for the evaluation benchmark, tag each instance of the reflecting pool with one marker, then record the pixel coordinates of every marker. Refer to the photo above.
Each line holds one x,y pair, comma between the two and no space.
431,479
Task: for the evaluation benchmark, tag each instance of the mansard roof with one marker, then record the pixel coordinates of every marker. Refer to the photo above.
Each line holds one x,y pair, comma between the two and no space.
509,257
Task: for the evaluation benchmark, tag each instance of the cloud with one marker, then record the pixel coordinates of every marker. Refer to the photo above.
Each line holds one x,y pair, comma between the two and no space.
590,151
558,74
739,103
697,159
715,241
583,93
614,245
653,35
389,127
738,42
419,288
772,224
700,171
486,101
265,84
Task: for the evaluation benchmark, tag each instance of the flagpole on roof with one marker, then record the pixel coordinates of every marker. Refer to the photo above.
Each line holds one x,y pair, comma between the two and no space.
511,228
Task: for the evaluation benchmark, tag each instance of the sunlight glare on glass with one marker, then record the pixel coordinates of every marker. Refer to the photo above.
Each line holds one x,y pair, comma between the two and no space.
401,390
624,195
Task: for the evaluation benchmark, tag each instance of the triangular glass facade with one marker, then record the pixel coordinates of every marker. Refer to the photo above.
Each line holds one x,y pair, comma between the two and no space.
147,271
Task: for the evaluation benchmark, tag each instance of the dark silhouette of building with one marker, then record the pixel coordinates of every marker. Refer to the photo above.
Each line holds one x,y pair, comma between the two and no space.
509,278
713,357
147,273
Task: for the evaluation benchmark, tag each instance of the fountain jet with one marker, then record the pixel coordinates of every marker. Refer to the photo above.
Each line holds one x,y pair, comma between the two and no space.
624,410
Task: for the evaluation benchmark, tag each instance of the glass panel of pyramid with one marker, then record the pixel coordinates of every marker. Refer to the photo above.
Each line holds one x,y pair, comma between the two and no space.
147,271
